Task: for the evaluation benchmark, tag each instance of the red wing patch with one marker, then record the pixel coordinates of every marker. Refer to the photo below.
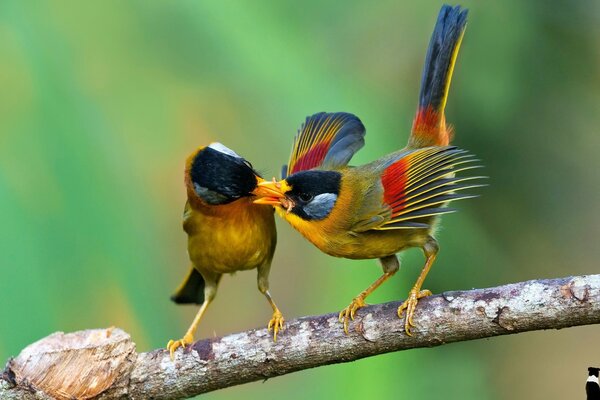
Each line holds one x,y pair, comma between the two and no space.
312,158
325,139
394,180
421,183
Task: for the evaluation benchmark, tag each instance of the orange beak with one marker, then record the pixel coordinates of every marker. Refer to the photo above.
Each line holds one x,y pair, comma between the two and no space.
273,193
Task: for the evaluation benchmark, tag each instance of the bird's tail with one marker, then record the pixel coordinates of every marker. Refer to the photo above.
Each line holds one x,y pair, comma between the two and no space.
191,290
429,127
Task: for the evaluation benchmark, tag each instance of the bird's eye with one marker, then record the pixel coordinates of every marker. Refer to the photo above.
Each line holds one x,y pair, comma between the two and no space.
248,164
305,197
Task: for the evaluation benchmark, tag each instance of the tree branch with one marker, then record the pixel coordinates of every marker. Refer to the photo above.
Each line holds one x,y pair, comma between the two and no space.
103,363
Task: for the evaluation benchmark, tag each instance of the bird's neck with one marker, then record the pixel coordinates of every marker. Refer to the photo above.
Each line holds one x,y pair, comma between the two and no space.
239,207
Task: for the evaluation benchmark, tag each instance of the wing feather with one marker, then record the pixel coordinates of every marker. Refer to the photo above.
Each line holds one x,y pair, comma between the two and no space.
327,141
420,185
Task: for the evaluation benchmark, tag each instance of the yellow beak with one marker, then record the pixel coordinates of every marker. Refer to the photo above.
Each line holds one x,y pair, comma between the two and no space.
268,192
273,193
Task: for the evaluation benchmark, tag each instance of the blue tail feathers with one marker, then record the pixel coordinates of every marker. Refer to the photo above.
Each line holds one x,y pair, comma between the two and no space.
441,55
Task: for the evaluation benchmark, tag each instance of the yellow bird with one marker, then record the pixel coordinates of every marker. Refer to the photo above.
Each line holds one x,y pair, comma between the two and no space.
379,209
226,231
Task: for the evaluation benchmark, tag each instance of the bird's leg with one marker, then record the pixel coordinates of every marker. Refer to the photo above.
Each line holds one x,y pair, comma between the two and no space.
430,248
210,290
277,320
390,265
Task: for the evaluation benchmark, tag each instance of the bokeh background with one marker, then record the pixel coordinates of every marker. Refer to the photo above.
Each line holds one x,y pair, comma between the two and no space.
102,101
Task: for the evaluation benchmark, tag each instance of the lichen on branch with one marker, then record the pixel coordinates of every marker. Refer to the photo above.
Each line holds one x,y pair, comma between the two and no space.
103,364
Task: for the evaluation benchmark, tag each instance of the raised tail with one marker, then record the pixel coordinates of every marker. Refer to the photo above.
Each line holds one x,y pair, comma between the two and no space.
429,127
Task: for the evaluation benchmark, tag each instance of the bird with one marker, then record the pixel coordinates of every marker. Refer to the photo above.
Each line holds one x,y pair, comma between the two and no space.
376,210
592,387
226,231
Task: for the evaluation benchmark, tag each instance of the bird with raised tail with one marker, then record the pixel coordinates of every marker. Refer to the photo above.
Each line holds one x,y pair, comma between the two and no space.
376,210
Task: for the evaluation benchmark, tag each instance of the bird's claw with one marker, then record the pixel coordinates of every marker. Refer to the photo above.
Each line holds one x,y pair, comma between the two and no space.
349,312
276,324
175,344
410,305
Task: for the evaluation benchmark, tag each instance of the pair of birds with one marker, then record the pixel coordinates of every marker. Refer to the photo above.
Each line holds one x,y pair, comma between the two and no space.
371,211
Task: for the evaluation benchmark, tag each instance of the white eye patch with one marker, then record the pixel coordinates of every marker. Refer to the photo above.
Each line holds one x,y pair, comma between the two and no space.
320,206
223,149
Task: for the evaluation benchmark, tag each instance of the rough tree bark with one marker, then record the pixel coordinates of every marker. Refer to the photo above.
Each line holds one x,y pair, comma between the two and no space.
103,364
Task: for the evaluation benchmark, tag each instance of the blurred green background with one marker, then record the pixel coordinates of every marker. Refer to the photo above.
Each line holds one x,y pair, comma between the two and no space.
102,101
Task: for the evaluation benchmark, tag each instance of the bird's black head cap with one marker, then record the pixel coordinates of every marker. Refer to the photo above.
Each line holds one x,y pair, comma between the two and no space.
218,175
593,371
313,193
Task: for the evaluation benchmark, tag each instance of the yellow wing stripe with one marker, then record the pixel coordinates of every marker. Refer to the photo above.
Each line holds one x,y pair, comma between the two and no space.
316,135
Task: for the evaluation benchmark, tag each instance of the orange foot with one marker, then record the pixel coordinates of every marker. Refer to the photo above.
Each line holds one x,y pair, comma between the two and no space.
175,344
348,313
409,305
276,324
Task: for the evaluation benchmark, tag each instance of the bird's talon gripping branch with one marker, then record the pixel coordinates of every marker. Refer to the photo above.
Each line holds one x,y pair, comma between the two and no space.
410,305
276,324
349,312
175,344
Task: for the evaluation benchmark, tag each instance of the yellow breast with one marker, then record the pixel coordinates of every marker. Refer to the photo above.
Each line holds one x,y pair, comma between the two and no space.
232,237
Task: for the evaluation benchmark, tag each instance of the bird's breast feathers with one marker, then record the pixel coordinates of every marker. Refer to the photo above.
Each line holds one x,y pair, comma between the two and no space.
238,236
